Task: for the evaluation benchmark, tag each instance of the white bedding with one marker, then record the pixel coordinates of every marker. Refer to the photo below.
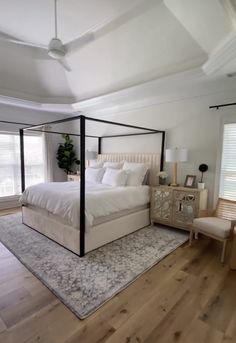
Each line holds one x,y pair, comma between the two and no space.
63,199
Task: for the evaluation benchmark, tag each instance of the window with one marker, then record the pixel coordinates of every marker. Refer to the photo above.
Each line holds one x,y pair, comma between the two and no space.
10,178
228,163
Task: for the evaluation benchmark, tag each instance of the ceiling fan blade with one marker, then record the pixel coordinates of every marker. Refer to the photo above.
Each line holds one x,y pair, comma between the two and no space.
131,11
64,64
78,43
10,39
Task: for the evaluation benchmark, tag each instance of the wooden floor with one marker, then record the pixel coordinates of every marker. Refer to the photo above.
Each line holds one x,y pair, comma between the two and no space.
189,297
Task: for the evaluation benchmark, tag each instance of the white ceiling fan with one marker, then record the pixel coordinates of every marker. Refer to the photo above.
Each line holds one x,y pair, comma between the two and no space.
56,49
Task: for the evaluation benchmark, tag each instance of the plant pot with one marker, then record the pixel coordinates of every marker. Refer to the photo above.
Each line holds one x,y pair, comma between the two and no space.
201,185
162,181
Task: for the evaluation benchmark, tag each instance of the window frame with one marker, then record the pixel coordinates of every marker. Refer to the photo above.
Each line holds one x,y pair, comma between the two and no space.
225,119
14,198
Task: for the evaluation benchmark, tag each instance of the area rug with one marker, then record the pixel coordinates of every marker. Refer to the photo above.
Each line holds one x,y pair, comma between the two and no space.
84,284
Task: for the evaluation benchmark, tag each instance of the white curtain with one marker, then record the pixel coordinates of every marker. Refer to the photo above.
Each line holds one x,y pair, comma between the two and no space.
48,154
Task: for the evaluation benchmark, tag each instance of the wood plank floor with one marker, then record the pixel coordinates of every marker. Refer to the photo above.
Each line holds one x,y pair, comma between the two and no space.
189,297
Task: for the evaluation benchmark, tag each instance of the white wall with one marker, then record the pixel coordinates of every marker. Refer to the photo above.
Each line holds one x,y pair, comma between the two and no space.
188,123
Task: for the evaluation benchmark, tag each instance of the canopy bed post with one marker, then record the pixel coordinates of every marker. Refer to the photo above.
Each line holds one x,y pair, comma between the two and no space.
162,150
99,145
82,186
22,160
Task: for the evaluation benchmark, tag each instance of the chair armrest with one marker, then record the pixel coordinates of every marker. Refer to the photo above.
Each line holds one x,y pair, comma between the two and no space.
206,213
233,225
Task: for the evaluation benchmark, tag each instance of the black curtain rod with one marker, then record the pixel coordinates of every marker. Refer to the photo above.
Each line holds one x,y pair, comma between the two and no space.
223,105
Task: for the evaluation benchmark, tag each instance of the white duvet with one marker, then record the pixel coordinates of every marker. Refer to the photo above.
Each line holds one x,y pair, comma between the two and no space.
63,199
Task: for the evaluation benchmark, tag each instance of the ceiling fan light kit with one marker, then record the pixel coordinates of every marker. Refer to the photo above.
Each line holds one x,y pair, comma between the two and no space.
56,49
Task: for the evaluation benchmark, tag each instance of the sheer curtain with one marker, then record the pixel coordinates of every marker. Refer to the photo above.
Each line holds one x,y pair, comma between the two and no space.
48,154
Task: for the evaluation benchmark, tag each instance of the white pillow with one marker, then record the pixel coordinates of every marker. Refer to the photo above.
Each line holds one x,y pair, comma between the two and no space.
113,165
136,173
94,175
95,164
115,177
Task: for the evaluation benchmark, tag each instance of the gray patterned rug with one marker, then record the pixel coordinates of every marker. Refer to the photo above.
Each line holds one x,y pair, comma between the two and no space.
84,284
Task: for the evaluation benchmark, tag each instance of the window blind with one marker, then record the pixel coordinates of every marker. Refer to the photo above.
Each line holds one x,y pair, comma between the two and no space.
10,178
228,163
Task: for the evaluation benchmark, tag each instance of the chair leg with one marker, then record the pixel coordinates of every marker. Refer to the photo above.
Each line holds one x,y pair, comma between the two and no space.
223,251
196,235
190,237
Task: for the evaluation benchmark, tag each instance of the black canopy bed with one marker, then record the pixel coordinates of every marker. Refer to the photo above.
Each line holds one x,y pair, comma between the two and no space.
79,238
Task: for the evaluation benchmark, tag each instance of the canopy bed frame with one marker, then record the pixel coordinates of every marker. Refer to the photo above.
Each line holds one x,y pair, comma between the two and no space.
79,243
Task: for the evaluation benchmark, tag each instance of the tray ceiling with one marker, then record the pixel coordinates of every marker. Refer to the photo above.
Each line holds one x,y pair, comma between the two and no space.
145,40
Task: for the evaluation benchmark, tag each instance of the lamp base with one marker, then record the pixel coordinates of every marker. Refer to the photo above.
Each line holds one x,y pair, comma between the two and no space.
174,184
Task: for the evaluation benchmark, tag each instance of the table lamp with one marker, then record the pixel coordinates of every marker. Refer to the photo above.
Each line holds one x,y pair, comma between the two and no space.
91,155
176,155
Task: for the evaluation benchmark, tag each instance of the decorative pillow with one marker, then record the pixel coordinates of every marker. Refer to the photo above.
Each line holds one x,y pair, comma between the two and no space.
113,165
146,177
96,164
115,177
136,173
94,175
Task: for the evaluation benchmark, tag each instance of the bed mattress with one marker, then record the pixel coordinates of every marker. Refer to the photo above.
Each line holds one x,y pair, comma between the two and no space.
103,203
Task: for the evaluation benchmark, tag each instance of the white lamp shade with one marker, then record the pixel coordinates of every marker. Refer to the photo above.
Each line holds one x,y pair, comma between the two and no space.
176,155
91,155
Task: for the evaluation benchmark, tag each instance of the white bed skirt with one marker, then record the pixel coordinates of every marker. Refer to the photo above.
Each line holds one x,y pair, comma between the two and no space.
96,237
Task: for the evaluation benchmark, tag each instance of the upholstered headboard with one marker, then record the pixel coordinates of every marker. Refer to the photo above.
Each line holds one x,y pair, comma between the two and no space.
151,159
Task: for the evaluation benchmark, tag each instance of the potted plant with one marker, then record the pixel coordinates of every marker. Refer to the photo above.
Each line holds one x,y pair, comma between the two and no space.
162,175
202,168
66,154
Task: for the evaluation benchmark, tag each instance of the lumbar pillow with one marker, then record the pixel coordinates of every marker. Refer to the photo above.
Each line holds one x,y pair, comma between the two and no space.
113,165
136,173
115,177
94,175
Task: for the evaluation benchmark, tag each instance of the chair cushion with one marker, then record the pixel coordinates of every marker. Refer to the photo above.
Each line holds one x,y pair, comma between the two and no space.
213,226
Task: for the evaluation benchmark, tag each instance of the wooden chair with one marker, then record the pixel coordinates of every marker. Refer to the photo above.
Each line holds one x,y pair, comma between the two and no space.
218,224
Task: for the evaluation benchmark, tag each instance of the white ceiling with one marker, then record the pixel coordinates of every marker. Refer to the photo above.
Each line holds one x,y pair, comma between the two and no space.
33,20
145,40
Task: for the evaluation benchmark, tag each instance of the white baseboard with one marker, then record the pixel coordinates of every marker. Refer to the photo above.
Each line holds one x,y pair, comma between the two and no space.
9,202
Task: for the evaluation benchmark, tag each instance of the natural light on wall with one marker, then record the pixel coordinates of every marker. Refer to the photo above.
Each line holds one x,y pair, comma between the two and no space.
228,163
10,181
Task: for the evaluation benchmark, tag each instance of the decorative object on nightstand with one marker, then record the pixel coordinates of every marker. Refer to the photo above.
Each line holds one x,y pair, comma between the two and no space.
73,177
162,175
202,168
177,206
190,181
91,155
176,155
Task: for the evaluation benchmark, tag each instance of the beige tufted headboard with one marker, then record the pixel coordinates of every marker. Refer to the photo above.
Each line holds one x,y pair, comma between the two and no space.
151,159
